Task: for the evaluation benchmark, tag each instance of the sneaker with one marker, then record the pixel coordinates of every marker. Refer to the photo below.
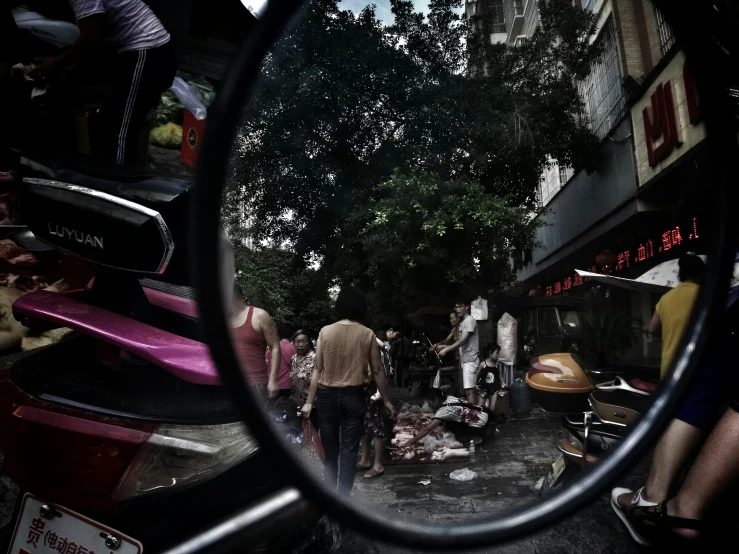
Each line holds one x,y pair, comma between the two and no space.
632,525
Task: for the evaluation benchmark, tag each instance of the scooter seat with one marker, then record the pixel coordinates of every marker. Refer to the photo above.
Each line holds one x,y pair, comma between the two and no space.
651,388
148,188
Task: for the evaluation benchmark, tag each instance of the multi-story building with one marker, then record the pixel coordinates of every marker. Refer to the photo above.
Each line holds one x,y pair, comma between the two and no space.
512,21
637,209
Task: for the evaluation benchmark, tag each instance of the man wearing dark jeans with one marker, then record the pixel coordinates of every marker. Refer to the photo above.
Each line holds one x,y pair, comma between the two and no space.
145,68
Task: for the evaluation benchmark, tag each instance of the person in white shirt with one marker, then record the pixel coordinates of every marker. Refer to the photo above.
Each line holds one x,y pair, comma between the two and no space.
469,349
145,68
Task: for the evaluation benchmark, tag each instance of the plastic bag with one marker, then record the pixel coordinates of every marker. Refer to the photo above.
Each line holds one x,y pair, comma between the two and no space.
507,338
463,475
169,110
312,440
168,136
429,444
189,98
426,409
194,93
479,309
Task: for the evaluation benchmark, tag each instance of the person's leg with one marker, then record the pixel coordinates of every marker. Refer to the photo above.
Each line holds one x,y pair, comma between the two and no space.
376,428
708,393
327,406
379,454
145,74
716,467
351,416
364,461
673,450
493,401
468,377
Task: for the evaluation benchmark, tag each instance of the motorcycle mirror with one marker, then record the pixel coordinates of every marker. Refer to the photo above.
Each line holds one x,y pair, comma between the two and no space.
217,172
255,7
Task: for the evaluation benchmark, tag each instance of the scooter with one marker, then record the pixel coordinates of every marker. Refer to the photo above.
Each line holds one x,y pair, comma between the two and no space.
595,417
53,28
119,437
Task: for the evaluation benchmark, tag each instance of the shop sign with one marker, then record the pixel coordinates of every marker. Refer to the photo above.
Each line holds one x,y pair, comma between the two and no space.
667,120
660,117
667,241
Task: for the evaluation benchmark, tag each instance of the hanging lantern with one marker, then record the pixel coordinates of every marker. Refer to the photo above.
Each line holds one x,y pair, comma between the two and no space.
536,291
606,258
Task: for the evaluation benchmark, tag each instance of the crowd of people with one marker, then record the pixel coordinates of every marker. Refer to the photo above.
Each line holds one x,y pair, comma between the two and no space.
340,381
341,386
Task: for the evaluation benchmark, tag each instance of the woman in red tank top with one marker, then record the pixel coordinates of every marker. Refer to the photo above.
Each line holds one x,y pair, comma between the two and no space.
252,331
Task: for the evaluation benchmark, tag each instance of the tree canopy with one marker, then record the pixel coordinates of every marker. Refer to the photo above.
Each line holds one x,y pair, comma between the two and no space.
388,150
270,278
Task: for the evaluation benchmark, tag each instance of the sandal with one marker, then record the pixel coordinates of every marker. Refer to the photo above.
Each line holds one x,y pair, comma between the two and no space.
654,526
372,473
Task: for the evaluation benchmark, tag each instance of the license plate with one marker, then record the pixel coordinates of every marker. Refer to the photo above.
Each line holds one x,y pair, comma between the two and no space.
67,532
558,466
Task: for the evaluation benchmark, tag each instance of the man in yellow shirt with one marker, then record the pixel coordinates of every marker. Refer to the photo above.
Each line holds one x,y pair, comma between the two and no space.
686,431
674,309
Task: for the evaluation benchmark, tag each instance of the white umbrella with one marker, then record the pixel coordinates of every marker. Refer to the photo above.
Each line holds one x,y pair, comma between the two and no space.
660,278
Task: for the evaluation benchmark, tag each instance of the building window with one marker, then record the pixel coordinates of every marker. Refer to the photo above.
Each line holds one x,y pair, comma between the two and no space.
565,174
589,5
666,35
601,91
552,179
495,11
517,7
520,41
549,184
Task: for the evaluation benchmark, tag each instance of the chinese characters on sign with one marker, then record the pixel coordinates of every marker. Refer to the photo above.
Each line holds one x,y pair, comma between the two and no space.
671,238
52,540
34,531
660,122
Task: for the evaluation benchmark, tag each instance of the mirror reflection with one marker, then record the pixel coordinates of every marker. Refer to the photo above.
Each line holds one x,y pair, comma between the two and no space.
461,242
469,237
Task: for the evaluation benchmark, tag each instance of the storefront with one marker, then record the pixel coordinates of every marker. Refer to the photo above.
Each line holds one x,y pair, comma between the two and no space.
644,207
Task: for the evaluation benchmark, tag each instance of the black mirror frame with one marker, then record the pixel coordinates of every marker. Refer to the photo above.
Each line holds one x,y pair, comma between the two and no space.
222,123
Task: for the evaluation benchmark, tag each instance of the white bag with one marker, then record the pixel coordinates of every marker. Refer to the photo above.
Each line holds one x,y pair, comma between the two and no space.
463,474
479,309
507,338
437,380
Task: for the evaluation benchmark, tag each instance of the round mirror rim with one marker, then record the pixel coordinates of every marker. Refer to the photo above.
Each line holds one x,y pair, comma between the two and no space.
222,123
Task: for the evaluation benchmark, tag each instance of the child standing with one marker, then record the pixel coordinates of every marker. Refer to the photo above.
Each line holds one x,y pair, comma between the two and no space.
488,377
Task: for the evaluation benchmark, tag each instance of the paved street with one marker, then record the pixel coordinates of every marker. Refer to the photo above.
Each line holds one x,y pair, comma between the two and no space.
508,472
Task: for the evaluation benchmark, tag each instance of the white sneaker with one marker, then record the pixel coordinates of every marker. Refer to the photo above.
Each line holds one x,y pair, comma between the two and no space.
636,500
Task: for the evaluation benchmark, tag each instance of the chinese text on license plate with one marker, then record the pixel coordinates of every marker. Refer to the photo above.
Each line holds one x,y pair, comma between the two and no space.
65,532
558,466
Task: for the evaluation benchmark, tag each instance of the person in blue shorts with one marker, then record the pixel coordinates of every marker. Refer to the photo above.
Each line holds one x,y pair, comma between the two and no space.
709,392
